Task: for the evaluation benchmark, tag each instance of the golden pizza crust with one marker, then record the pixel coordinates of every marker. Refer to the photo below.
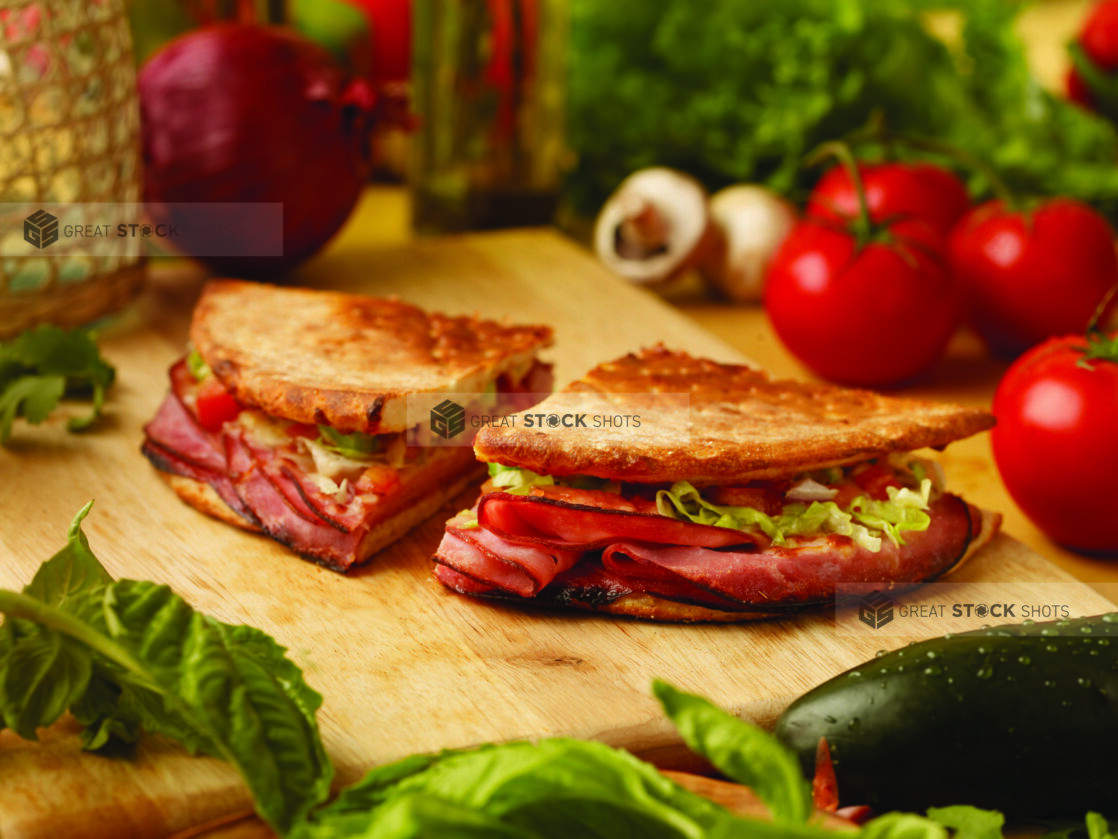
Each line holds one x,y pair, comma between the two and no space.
346,360
711,423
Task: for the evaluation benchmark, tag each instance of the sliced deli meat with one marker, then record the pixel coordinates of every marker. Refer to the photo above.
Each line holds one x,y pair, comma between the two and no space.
740,576
561,524
259,470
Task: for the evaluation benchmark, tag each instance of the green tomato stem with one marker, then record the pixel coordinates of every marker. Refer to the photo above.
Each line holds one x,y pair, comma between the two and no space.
1103,87
1001,191
862,224
1100,346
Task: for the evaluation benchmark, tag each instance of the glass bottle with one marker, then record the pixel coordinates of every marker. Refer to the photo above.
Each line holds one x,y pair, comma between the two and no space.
487,88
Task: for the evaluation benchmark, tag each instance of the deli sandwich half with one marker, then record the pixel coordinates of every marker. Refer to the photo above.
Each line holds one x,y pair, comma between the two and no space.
751,497
289,417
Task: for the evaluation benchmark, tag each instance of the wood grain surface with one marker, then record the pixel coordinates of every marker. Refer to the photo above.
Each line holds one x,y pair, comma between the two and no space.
404,666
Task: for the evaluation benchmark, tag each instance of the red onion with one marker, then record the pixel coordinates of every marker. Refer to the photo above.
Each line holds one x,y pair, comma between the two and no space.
248,113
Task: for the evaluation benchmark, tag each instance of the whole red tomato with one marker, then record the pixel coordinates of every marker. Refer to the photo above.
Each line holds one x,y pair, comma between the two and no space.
869,313
1055,442
1029,275
916,190
1098,41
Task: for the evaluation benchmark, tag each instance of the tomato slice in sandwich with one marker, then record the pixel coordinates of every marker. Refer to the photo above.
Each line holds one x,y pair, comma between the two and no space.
216,405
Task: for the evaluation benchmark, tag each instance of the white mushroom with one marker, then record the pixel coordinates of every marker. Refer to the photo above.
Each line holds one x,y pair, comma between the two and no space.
750,223
654,226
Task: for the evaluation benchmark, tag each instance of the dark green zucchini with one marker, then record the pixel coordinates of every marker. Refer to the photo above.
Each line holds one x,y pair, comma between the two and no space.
1020,718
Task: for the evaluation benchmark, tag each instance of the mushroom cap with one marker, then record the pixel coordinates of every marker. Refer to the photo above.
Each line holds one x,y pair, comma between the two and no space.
752,221
672,204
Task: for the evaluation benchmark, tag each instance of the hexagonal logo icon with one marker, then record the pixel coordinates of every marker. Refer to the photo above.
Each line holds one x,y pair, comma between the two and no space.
875,609
448,419
40,229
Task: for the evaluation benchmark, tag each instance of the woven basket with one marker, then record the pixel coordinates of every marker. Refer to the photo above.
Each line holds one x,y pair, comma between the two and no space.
69,138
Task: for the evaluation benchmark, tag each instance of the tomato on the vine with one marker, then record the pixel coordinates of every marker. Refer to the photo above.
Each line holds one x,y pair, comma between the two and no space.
863,308
1034,273
1055,443
898,189
1097,44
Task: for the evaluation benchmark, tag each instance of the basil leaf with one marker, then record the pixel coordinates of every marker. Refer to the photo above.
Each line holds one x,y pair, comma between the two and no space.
127,653
555,788
968,822
225,690
740,750
416,815
1098,828
41,674
379,783
107,722
72,570
902,826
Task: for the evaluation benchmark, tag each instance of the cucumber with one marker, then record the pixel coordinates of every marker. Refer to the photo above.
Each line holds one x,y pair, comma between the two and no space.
1020,718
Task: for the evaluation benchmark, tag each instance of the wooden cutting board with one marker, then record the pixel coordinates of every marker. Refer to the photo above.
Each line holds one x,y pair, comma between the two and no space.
404,666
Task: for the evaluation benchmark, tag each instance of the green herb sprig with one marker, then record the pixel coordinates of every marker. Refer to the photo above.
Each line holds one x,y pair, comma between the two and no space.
42,365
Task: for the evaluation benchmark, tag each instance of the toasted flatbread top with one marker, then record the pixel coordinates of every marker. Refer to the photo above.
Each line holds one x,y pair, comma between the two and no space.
728,424
346,360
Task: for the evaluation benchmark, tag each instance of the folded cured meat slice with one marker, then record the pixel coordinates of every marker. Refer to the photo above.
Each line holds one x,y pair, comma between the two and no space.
519,568
726,572
579,526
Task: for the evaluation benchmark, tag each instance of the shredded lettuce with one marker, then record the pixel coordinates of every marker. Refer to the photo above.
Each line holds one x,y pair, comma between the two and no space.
519,481
905,510
467,520
355,446
197,365
906,463
515,480
867,521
